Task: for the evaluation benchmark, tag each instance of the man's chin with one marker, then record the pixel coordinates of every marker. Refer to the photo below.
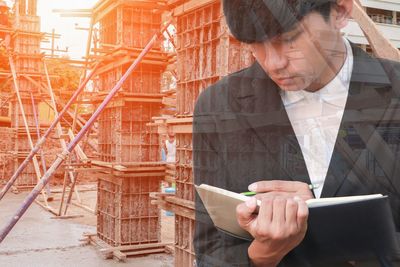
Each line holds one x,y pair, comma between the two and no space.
294,84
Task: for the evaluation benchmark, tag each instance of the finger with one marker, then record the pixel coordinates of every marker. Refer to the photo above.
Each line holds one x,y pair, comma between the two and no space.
291,212
265,213
302,214
279,211
278,185
283,195
275,194
245,212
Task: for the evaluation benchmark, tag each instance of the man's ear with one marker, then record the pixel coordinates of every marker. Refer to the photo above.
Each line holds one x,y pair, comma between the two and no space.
342,11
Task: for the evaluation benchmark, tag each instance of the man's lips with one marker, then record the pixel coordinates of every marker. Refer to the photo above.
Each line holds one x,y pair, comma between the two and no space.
284,80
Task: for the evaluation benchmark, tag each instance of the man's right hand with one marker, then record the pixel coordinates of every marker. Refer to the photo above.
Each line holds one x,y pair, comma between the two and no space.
279,226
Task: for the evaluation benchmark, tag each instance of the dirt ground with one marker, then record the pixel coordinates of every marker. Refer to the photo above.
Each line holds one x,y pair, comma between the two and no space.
40,240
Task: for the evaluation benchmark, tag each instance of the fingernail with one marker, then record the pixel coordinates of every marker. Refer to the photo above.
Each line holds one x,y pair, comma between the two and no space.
296,198
250,202
253,187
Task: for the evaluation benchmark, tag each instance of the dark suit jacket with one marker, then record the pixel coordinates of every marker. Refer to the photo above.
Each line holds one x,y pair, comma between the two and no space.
242,134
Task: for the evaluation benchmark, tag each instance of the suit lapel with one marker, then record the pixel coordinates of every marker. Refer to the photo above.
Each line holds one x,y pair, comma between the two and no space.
367,75
260,109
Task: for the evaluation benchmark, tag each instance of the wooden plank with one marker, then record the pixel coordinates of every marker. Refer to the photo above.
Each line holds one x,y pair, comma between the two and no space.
144,169
123,94
81,10
182,128
66,217
179,210
99,244
91,169
159,195
128,59
144,252
127,164
135,247
76,15
143,100
108,165
178,201
151,174
100,11
120,256
118,50
172,199
180,120
93,211
46,207
191,5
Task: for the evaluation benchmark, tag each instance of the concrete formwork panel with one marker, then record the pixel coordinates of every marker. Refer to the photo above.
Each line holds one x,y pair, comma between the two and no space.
205,53
184,249
129,25
124,135
184,167
125,215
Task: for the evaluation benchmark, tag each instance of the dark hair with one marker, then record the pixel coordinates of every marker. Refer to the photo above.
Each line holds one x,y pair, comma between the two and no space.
253,21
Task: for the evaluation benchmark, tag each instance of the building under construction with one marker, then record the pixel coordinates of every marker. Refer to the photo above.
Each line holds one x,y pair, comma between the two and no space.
147,62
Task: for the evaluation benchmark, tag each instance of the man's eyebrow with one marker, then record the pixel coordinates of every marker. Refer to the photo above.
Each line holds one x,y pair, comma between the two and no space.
294,31
290,34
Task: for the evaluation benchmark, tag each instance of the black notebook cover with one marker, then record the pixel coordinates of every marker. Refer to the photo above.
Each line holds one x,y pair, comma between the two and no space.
360,230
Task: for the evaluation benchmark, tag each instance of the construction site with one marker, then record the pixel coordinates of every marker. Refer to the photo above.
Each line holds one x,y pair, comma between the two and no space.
84,165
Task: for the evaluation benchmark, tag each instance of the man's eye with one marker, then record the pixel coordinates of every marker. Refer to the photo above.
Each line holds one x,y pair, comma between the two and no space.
288,39
292,38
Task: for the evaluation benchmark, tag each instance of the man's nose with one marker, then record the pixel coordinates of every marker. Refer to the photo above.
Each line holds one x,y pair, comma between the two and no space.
275,57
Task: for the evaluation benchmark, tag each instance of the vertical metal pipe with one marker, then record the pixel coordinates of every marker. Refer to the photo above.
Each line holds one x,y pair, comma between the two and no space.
40,142
37,123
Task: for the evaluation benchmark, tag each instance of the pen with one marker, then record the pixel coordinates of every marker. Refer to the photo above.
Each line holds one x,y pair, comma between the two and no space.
248,194
314,186
310,186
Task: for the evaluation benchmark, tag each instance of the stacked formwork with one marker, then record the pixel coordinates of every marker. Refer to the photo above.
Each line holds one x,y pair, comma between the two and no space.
6,146
206,52
27,58
20,141
125,214
124,135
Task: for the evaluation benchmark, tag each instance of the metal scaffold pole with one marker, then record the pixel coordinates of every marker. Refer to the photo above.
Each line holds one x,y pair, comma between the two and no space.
40,142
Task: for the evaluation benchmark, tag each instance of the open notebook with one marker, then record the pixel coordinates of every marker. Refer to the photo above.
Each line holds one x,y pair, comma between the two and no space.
336,225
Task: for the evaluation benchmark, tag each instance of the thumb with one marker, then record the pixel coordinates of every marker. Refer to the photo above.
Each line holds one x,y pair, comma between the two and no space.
302,213
245,212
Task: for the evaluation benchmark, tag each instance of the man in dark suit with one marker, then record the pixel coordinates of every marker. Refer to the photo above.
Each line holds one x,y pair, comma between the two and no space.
314,116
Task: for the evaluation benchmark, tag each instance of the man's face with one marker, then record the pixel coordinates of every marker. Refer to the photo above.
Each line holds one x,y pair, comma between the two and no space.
302,58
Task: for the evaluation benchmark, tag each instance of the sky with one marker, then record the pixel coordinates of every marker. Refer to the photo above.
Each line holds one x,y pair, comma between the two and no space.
72,38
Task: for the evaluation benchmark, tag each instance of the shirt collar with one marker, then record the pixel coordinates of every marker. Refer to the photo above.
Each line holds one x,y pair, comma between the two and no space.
337,88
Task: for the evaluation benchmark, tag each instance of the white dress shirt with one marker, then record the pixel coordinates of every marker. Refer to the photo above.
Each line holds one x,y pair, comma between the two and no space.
316,118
